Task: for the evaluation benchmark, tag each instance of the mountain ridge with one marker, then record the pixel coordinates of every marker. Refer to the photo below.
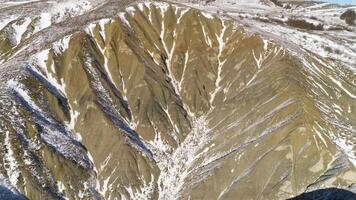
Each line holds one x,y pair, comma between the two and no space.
139,103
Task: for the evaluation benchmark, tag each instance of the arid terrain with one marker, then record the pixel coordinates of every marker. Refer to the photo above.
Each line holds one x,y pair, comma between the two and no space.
224,99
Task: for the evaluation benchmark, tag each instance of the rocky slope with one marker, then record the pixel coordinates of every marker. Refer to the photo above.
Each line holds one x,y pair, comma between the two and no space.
175,100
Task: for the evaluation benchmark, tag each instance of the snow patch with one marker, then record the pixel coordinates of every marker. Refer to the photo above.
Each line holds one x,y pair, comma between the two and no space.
144,192
45,20
6,184
182,13
6,21
207,15
347,147
61,45
163,6
20,29
220,39
175,167
124,20
10,163
42,58
102,24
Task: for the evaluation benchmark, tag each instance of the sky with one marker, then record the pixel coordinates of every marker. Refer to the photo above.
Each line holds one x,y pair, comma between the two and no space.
353,2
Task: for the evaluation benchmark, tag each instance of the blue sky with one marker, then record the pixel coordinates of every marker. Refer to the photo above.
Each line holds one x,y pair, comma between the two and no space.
342,1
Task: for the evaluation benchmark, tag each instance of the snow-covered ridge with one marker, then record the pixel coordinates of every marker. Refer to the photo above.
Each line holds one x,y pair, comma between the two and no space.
272,21
19,28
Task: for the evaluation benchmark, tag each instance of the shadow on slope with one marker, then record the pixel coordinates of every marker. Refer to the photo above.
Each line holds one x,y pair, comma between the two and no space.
7,194
327,194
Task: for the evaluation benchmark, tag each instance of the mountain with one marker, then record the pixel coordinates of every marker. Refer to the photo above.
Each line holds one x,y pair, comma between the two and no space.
176,100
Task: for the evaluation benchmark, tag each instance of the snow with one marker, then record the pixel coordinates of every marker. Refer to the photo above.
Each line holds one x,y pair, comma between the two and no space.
17,87
265,44
147,4
319,134
163,6
338,83
130,10
339,138
73,118
45,20
89,29
177,166
158,143
92,161
52,135
20,29
106,188
15,3
105,162
186,58
220,39
61,45
12,193
6,21
41,59
102,24
72,7
169,52
144,192
207,15
10,163
249,13
206,36
124,20
153,57
182,13
140,6
258,60
347,147
57,12
61,186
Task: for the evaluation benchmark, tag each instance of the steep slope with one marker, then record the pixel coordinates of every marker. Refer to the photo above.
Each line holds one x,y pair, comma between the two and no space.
164,101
